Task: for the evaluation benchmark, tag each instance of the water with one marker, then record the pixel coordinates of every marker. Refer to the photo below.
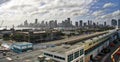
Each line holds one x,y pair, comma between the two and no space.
18,28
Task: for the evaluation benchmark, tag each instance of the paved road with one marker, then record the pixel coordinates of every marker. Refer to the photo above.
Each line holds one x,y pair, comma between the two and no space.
103,60
108,59
24,56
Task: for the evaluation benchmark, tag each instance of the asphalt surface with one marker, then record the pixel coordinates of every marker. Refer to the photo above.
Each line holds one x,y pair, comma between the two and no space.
108,57
24,57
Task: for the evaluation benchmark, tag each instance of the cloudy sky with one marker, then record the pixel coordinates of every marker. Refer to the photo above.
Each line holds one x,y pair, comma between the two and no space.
16,11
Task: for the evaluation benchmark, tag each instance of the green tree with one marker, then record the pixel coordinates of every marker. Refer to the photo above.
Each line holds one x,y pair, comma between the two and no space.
6,36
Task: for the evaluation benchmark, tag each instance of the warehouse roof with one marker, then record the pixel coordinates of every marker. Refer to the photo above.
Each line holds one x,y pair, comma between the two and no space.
62,49
75,38
22,43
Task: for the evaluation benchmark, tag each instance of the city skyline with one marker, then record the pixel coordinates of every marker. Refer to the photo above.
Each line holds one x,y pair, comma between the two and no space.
14,11
65,23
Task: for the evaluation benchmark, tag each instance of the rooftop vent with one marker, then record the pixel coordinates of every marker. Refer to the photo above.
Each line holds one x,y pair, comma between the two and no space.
41,58
52,51
66,46
91,39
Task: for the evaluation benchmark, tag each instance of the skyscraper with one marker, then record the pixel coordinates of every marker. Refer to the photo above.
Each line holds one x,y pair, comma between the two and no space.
71,22
97,23
68,22
25,23
43,24
46,24
114,22
94,24
80,23
85,24
104,23
36,21
52,24
118,22
68,19
76,24
88,22
55,23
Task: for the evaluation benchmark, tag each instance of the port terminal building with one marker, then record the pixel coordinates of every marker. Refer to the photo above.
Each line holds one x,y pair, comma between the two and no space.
81,50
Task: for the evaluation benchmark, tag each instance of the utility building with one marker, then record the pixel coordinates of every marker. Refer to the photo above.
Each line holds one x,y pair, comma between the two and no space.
22,47
66,53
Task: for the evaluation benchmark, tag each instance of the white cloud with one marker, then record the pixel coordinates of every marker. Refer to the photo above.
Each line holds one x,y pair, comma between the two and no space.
98,13
108,5
115,14
43,9
109,17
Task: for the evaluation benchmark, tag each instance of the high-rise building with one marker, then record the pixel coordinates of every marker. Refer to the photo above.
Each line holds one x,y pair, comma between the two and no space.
25,23
36,21
71,22
97,23
76,24
118,22
94,24
80,23
52,24
88,22
68,22
114,22
55,23
104,23
42,24
46,24
85,24
68,19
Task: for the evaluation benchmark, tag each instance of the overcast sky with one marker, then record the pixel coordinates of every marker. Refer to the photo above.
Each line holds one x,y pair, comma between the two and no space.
17,11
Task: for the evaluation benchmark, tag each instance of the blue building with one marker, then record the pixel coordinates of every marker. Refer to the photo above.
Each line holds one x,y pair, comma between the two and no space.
20,47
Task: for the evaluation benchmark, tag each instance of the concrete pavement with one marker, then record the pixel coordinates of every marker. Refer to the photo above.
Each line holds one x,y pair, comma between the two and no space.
107,58
24,56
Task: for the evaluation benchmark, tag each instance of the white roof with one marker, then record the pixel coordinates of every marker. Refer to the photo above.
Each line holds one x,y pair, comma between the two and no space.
8,58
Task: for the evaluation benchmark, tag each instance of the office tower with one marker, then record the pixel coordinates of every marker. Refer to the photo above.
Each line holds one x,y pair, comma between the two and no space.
25,23
63,24
118,22
55,23
68,19
46,24
42,24
97,23
71,22
94,24
104,23
36,21
114,22
76,24
85,24
80,23
52,24
68,22
88,22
